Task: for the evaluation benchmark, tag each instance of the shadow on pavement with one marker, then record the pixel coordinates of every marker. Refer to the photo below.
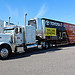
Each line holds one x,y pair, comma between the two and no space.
36,51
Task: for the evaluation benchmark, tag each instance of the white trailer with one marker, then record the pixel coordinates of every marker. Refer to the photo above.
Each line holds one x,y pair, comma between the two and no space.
1,26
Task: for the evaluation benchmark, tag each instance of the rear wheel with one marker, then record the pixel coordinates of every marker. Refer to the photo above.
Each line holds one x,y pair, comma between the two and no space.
46,45
50,45
42,45
4,52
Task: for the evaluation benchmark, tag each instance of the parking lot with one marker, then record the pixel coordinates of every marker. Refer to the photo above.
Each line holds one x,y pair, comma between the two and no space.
54,61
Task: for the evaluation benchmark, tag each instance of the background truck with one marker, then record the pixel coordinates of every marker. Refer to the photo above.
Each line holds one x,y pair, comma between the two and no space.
39,31
1,26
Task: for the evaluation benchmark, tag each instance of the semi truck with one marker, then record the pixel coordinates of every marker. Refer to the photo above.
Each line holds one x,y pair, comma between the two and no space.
39,32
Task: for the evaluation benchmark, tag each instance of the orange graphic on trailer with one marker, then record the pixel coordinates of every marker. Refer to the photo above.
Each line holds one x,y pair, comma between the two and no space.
70,28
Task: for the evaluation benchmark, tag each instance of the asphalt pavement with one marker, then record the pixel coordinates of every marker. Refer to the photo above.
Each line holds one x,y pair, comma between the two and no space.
54,61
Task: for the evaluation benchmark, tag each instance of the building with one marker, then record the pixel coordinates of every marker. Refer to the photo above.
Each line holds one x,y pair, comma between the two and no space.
1,26
6,24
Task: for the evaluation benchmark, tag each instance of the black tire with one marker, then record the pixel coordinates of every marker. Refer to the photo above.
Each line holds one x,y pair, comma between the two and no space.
50,45
5,52
42,45
25,49
46,45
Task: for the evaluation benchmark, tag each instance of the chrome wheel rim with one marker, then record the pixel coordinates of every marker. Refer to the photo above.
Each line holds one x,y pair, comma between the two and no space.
4,53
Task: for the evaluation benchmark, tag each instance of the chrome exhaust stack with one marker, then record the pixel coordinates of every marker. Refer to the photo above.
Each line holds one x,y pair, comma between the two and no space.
9,21
25,27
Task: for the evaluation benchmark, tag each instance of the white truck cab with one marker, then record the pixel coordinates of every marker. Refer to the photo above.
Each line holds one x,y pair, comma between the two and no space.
14,37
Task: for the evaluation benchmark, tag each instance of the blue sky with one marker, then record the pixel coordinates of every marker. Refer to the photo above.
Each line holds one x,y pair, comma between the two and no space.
62,10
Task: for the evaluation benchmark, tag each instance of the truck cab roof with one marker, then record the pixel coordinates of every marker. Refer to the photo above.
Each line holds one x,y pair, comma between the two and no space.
8,28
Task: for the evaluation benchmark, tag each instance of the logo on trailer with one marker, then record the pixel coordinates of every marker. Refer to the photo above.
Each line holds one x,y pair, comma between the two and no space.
52,23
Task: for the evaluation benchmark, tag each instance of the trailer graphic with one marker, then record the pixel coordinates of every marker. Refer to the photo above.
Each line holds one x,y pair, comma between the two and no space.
50,31
70,29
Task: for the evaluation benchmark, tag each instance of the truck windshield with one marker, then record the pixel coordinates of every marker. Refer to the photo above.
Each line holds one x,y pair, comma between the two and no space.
8,31
32,22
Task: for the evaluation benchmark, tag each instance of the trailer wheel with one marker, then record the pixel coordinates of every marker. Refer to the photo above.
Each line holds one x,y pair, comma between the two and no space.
4,52
50,45
42,45
46,45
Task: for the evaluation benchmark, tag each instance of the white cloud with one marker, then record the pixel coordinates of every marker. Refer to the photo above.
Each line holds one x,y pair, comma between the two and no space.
13,12
9,9
42,11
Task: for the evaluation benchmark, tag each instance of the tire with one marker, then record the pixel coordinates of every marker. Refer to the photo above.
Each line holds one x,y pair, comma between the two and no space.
25,49
4,52
56,45
46,45
42,45
50,45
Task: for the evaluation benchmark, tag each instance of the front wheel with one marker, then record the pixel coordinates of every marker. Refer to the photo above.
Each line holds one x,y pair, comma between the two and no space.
4,52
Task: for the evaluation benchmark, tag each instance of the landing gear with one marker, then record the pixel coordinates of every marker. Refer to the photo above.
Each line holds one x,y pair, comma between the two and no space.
42,45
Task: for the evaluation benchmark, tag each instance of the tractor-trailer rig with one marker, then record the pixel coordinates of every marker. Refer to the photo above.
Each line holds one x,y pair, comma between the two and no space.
39,31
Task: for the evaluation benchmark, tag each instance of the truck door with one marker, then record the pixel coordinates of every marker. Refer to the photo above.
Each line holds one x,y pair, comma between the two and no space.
19,35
